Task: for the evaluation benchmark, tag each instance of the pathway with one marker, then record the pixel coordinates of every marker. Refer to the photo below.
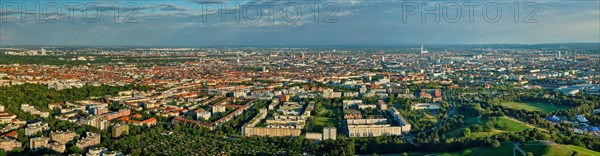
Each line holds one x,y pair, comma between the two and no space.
518,148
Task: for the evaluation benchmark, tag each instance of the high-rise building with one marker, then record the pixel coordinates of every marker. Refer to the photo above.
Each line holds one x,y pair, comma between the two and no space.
423,51
559,55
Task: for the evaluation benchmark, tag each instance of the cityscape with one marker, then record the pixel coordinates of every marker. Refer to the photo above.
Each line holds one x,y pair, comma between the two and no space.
110,90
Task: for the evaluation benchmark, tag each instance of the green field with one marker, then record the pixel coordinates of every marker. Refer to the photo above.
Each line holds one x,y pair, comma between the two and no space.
512,125
535,147
501,124
533,106
582,151
320,122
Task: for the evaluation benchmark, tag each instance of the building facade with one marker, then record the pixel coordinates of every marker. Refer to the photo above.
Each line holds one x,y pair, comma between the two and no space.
119,130
8,144
90,140
39,142
62,137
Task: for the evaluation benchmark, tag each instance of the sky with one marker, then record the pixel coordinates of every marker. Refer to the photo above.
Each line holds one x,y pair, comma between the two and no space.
197,23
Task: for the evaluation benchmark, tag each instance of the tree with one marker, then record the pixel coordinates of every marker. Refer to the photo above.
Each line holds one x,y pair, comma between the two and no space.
495,143
466,132
74,149
17,150
529,154
477,128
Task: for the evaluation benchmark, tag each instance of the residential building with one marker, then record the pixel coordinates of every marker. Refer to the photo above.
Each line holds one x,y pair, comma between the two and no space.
201,113
426,106
120,113
352,114
218,108
63,137
405,126
119,130
382,105
30,109
34,128
96,121
37,143
57,146
8,144
90,140
97,151
6,117
261,131
329,133
314,136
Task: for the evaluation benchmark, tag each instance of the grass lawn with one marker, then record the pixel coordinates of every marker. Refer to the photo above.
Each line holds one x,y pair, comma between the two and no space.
507,148
474,120
533,106
321,122
535,147
484,134
582,151
503,124
512,125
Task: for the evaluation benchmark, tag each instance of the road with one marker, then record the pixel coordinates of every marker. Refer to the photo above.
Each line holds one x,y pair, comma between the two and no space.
519,149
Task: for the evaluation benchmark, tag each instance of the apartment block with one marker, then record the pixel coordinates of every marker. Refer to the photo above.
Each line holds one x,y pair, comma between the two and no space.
57,146
30,109
39,142
34,128
8,144
90,140
63,137
261,131
329,133
119,130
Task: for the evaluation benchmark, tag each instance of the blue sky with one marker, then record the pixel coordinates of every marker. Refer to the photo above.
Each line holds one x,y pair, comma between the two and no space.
340,22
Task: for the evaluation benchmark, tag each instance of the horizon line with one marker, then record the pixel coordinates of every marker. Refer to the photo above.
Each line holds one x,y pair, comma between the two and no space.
304,46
